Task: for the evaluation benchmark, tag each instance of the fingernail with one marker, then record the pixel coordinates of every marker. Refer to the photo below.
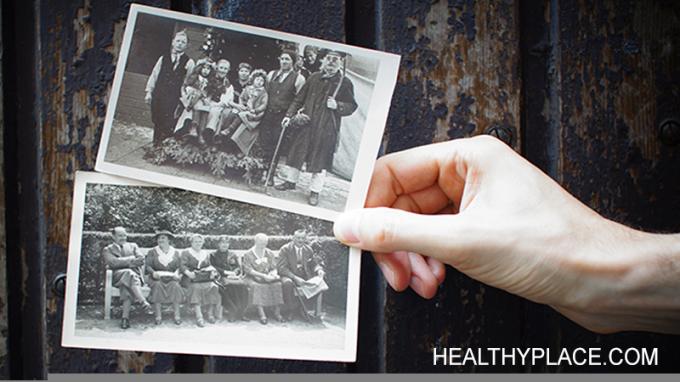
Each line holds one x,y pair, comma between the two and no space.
388,273
344,229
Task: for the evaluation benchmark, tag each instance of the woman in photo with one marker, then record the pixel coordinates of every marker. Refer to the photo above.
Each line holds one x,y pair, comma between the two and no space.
193,108
162,268
242,122
259,265
235,290
198,279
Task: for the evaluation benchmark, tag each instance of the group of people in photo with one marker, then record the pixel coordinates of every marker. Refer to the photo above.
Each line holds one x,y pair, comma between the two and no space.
293,112
280,283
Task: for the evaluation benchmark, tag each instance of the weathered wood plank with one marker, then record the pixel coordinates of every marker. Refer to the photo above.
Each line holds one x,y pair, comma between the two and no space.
79,43
616,78
4,361
459,76
322,19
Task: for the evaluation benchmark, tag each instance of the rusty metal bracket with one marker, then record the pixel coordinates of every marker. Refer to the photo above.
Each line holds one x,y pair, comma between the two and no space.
59,285
669,131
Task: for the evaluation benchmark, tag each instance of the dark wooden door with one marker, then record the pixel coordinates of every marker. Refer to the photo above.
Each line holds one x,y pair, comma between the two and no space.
588,91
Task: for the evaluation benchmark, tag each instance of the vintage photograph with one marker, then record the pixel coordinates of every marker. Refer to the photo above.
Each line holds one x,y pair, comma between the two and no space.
162,269
281,120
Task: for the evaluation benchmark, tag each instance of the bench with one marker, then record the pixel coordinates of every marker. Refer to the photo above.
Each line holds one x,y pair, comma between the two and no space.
110,291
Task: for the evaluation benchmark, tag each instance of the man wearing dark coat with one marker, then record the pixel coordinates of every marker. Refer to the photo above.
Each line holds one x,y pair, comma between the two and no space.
298,264
127,264
326,97
163,88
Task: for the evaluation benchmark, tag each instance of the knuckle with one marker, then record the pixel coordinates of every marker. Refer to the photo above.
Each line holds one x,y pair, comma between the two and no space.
384,230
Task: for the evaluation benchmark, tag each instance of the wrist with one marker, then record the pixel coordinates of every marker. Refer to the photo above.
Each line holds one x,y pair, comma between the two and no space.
630,281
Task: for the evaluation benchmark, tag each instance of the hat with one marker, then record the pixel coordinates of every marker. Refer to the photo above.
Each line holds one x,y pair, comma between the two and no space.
326,52
164,232
245,65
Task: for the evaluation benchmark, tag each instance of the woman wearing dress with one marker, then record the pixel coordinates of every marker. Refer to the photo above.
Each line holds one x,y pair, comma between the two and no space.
259,264
241,123
198,280
162,269
235,290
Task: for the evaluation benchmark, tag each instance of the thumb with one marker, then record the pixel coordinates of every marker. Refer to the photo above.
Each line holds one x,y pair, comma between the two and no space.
391,230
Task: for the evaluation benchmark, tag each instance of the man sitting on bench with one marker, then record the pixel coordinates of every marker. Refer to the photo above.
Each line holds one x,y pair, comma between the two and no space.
301,270
126,262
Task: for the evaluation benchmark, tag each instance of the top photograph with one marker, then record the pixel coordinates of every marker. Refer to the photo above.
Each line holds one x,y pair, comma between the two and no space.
271,118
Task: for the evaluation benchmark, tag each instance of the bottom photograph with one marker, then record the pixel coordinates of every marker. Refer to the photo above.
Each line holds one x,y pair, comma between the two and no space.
166,270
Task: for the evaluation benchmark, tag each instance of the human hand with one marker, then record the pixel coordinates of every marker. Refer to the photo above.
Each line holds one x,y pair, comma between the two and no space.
321,273
332,103
191,275
155,275
147,98
137,261
478,206
285,121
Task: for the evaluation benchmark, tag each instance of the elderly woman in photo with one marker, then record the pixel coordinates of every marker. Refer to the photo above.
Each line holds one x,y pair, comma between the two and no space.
162,269
193,108
235,291
198,279
259,264
243,120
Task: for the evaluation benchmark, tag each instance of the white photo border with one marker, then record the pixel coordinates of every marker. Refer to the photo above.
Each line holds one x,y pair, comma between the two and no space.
70,339
372,133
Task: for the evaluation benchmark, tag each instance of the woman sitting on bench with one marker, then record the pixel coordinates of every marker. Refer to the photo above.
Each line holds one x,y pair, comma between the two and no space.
162,268
198,279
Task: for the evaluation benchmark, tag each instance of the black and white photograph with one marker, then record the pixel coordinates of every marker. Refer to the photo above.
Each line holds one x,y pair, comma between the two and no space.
246,113
161,269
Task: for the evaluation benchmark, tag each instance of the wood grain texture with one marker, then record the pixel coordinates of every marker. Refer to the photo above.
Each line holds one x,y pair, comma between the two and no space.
459,75
614,72
4,361
79,42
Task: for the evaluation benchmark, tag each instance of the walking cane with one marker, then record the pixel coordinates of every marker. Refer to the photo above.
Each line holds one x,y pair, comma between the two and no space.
276,153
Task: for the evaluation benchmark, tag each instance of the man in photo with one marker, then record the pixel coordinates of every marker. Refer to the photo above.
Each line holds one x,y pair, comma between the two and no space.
326,97
127,264
302,273
282,85
164,84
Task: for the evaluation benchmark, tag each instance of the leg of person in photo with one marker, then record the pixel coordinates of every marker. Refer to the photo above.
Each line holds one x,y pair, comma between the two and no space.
211,313
261,314
219,312
277,314
319,306
125,321
235,300
176,309
207,134
199,315
157,311
290,176
289,300
315,187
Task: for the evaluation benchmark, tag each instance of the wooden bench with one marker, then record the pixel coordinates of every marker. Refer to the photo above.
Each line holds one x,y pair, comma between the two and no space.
111,291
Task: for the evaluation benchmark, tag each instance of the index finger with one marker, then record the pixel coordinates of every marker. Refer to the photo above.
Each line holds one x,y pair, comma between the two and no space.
431,176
